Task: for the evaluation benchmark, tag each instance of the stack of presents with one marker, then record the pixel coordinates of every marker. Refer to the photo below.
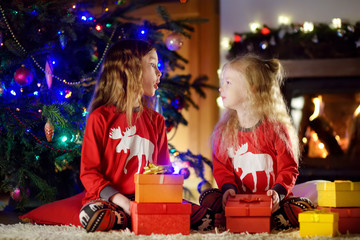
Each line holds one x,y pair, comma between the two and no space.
338,210
159,208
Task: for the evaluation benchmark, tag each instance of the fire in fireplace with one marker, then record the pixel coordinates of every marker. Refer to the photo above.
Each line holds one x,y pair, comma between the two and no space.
324,98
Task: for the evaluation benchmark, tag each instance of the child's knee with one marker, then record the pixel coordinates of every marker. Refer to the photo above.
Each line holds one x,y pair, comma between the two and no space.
211,198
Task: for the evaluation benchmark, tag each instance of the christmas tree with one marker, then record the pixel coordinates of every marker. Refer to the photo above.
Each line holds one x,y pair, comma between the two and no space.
50,55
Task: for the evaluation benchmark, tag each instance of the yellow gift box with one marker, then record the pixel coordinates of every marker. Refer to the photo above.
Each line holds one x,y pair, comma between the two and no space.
159,188
338,194
318,223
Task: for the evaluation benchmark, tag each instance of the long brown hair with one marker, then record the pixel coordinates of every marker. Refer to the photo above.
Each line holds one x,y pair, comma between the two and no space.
265,78
120,79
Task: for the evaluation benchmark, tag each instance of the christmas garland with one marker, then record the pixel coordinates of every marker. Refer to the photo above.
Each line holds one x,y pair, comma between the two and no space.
299,41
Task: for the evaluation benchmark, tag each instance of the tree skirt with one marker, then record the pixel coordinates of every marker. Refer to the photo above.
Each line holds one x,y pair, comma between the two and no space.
34,231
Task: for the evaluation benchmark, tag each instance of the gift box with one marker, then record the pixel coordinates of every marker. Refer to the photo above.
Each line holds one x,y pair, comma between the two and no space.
159,188
248,213
338,194
160,218
349,219
318,223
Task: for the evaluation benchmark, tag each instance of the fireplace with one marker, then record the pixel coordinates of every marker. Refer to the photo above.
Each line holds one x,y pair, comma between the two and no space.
324,98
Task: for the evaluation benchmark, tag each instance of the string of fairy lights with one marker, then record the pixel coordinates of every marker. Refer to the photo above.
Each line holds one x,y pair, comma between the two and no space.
41,68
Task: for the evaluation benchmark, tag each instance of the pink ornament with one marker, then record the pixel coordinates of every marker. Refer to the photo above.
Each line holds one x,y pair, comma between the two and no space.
16,194
174,41
48,73
23,76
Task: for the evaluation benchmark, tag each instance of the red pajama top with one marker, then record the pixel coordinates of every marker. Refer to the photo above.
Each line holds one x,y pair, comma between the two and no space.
112,152
256,167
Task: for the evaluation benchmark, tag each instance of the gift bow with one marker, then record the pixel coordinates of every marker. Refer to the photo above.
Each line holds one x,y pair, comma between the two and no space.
154,169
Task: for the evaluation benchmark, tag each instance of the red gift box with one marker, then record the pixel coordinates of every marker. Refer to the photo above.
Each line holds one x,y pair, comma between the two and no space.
349,218
160,218
248,213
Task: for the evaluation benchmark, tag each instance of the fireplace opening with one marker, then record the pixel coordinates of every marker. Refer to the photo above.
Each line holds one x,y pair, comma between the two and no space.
326,112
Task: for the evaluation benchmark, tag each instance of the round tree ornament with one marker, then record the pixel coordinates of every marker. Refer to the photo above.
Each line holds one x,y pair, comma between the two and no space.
174,41
23,76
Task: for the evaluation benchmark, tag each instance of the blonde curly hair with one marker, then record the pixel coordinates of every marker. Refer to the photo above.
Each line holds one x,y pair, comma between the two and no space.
120,79
264,78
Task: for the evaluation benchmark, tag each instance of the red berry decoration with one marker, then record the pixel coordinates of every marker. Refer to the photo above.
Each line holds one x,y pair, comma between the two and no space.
23,76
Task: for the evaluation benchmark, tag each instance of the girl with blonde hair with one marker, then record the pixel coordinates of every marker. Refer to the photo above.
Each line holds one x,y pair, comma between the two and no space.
255,145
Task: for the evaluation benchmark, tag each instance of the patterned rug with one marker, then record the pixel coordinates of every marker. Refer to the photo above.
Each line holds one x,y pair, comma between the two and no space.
40,232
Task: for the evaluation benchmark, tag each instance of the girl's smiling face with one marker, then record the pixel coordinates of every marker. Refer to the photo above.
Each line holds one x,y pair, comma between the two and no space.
150,73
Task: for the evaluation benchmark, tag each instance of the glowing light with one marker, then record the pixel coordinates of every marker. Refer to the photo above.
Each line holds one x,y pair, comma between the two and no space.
91,18
308,27
304,140
83,18
64,139
74,6
225,43
254,26
321,145
176,154
53,62
106,9
265,31
68,93
283,20
36,93
237,38
17,109
39,111
314,137
142,31
98,27
21,90
13,92
336,23
108,25
220,102
264,45
357,111
85,112
317,102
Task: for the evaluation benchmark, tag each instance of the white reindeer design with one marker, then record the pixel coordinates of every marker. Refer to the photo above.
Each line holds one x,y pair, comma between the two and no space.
251,163
137,145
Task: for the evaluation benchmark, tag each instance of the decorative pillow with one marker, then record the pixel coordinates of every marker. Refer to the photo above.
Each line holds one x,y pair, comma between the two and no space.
61,212
307,190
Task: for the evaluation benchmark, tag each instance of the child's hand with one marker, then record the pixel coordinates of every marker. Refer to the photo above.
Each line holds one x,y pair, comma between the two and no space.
275,199
121,201
226,195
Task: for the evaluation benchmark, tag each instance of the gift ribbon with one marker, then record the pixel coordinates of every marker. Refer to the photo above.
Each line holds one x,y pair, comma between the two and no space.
250,200
154,169
316,214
